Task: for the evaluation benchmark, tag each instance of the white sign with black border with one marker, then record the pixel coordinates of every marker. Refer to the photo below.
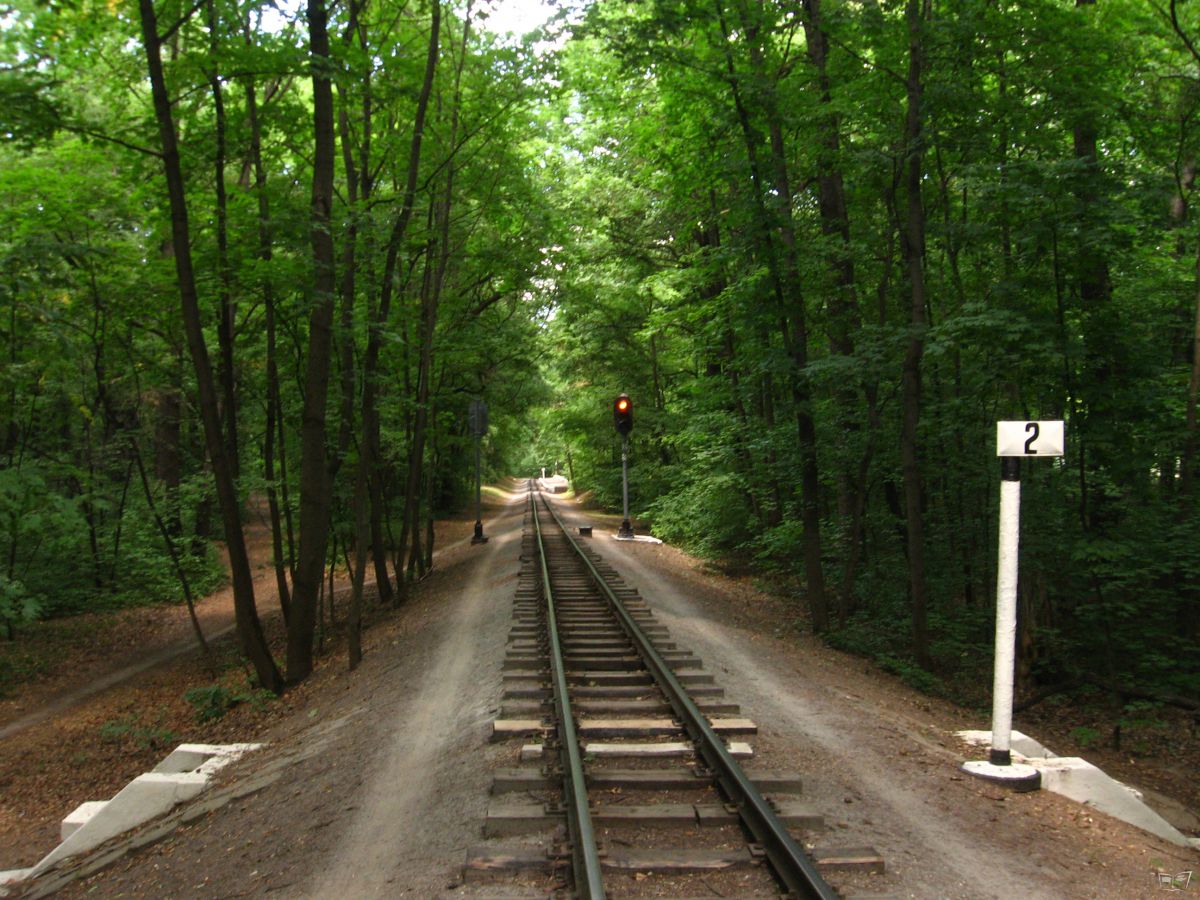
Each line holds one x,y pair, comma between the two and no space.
1038,438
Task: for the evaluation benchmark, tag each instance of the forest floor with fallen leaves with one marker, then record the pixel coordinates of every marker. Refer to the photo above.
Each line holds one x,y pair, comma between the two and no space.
63,743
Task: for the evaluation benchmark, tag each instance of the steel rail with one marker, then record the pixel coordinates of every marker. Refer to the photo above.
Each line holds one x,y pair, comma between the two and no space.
791,865
585,856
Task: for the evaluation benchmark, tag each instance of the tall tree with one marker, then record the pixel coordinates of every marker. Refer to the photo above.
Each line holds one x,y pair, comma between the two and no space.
315,486
916,12
249,628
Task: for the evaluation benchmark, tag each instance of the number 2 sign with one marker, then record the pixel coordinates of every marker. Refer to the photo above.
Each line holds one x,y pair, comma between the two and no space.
1043,438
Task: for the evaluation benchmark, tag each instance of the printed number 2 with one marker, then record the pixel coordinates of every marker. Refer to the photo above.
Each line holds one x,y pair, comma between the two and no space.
1036,429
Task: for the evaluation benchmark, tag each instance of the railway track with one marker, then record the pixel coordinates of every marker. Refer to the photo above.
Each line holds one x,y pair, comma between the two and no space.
630,783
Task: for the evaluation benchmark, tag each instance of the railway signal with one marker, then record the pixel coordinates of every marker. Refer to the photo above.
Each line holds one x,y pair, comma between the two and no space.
623,414
1013,440
623,420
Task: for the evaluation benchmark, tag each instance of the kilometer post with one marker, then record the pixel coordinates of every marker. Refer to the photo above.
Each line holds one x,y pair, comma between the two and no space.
1013,441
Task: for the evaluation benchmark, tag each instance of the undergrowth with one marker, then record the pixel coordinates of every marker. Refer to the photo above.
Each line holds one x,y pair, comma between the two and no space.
213,701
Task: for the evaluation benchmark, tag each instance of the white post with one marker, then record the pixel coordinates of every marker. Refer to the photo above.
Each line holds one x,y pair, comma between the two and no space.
1014,440
1006,611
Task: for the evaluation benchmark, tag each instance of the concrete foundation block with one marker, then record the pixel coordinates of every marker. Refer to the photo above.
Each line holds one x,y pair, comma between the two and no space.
1079,780
181,776
80,816
1019,743
205,758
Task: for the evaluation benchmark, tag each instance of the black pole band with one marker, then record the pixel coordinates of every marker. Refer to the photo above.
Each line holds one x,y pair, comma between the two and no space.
1010,468
1000,758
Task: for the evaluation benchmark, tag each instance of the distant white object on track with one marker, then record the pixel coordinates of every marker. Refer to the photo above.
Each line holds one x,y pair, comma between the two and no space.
554,484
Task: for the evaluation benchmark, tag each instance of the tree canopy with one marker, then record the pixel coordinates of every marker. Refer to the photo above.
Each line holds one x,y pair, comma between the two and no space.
269,257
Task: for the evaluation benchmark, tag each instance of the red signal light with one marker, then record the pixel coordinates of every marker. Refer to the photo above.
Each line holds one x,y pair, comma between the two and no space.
623,414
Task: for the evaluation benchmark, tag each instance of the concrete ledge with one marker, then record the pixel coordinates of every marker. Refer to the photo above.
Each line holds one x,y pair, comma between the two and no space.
12,876
82,814
1079,780
147,796
203,758
554,484
639,538
181,776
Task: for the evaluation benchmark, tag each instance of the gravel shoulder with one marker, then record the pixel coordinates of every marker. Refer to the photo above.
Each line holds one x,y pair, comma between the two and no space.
375,784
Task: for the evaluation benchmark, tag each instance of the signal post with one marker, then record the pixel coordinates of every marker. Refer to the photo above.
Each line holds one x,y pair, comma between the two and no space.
477,422
623,420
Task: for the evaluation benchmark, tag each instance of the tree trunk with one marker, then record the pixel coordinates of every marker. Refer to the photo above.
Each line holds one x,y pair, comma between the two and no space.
1188,467
395,240
430,498
843,317
314,473
794,330
350,249
249,628
416,458
1095,291
914,241
169,541
362,535
778,228
274,415
227,310
168,436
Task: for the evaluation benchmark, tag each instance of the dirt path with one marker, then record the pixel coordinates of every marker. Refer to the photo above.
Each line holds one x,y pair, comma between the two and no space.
173,637
163,634
62,702
429,741
115,701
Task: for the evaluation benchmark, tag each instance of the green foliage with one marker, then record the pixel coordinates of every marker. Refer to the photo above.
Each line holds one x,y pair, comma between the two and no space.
1139,722
911,674
210,702
1057,287
702,515
688,207
131,728
1085,736
215,700
16,606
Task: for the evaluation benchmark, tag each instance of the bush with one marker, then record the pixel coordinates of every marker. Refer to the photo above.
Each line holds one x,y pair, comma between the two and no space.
146,736
16,605
213,701
210,702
